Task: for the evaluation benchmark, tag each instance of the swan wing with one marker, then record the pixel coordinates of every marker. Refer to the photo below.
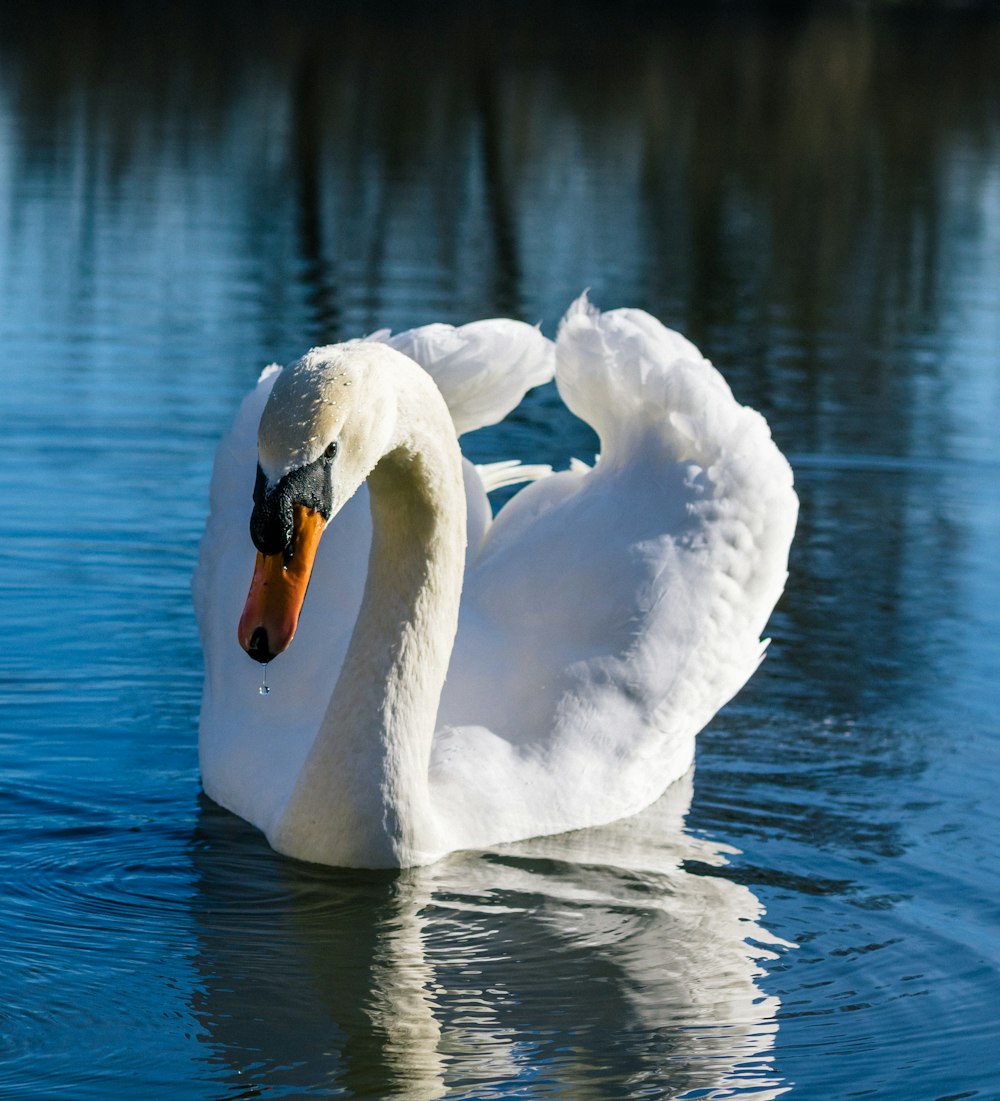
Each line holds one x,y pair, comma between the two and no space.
610,612
482,369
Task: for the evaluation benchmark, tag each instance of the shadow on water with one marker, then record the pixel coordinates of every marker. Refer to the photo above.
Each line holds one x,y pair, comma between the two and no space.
475,972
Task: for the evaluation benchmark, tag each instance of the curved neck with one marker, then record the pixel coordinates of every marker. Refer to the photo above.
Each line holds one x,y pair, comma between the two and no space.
362,799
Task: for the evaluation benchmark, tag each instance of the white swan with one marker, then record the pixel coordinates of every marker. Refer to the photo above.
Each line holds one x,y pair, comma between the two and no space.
606,614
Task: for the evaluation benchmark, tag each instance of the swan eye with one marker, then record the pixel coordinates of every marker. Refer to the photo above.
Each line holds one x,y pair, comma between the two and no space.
331,450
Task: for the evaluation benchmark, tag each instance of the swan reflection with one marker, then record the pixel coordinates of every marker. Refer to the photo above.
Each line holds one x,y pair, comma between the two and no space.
597,963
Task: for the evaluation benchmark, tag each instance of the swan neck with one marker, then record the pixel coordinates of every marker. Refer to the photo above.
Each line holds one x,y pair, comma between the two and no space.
363,796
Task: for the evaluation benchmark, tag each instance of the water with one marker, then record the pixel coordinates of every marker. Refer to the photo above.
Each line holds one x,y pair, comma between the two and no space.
815,200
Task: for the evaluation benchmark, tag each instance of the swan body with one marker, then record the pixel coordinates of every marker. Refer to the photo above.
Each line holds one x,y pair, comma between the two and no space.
458,681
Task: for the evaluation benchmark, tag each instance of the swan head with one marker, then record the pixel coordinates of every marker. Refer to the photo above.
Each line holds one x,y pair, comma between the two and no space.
329,418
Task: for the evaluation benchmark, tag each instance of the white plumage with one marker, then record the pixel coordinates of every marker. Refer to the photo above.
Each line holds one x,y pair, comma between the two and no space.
606,613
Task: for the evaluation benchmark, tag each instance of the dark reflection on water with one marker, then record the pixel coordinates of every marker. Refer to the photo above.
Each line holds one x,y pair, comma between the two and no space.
813,197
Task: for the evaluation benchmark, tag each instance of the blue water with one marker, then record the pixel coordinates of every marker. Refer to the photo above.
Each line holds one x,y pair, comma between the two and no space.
815,201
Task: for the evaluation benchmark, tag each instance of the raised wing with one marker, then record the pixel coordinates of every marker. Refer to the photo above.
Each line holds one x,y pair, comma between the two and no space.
611,612
483,369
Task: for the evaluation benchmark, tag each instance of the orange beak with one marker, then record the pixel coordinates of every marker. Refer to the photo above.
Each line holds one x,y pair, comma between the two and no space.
271,613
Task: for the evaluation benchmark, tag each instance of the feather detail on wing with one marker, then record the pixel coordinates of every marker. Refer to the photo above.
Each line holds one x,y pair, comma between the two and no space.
611,612
482,369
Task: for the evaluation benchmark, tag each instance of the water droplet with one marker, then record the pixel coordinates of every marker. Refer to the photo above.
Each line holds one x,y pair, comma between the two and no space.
264,690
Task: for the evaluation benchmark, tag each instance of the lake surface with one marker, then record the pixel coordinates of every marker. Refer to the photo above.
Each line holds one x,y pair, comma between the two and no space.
815,201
